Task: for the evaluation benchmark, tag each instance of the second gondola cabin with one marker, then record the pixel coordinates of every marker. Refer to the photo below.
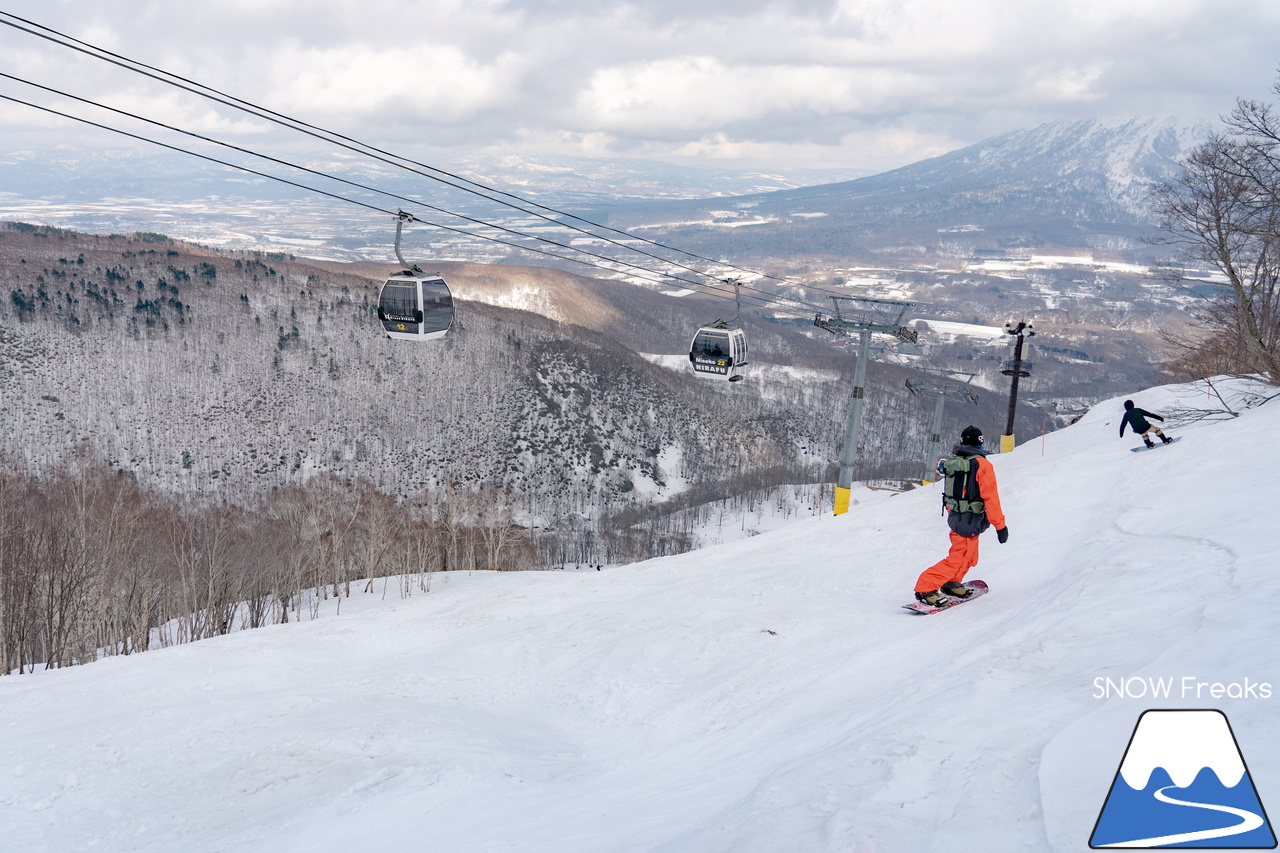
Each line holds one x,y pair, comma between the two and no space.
719,351
415,306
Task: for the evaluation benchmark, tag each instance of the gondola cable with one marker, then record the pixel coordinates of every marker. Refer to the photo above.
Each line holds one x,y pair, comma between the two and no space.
765,299
332,137
296,184
335,196
350,183
733,345
737,348
363,149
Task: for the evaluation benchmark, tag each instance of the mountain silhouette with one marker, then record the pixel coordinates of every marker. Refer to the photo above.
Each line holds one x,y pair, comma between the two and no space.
1205,813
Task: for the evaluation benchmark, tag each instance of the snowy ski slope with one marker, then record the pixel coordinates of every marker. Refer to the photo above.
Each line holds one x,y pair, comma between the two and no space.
764,695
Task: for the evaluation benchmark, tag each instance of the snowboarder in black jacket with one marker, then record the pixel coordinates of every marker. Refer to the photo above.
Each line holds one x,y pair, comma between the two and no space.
1137,418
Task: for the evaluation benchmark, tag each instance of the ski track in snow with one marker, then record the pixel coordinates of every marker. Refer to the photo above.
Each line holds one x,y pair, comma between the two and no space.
647,708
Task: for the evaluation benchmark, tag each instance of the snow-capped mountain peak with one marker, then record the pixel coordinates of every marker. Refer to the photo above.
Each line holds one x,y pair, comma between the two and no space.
1183,743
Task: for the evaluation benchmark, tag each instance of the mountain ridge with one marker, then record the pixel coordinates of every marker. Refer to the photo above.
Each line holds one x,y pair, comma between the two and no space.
1080,184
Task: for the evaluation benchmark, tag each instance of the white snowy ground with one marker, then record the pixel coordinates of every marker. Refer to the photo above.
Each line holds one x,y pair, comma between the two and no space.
764,695
734,519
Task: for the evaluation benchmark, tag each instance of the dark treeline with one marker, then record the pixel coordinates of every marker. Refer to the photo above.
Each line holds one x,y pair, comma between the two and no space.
94,564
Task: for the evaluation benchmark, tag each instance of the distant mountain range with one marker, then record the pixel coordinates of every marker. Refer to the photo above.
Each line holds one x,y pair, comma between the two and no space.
1082,184
574,181
1072,184
68,172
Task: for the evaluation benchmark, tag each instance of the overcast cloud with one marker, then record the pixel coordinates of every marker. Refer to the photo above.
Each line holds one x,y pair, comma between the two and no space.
871,84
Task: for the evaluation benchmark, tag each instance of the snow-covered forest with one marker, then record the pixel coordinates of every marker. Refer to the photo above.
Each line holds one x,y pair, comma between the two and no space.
209,374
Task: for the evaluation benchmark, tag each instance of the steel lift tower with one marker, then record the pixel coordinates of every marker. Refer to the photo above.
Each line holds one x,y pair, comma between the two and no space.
1018,369
921,389
868,317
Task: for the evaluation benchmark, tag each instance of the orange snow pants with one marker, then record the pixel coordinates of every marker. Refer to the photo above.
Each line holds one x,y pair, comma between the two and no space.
962,557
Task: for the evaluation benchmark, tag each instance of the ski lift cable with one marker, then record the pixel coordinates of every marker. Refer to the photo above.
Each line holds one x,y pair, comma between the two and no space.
332,137
219,96
937,366
920,350
723,284
364,149
651,275
245,150
344,181
296,184
764,300
305,187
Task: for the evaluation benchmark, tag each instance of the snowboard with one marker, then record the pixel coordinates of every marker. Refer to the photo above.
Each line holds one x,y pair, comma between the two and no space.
1158,444
979,589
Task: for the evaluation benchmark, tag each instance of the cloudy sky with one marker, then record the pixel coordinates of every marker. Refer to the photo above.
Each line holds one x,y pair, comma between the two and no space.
849,84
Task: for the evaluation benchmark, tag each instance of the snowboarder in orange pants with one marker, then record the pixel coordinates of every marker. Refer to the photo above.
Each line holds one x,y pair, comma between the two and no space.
973,505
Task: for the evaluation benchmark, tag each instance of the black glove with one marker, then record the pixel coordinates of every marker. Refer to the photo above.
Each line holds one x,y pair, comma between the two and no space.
1002,535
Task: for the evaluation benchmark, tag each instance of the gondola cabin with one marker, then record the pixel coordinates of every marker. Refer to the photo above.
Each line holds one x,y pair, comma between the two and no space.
415,306
719,352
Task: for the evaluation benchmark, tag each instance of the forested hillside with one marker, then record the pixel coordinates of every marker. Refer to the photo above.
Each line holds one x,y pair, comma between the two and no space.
211,374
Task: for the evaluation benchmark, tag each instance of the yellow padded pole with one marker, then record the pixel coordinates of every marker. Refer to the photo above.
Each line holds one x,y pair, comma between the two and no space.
842,500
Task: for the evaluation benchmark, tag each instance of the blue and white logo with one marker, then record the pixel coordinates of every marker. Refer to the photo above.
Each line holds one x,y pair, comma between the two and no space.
1183,783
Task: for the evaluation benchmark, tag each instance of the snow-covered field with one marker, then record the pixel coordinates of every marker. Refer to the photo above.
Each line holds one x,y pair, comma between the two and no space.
764,695
948,330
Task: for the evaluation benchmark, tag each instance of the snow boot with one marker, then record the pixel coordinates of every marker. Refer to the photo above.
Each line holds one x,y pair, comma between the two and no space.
933,599
956,590
1166,439
1148,442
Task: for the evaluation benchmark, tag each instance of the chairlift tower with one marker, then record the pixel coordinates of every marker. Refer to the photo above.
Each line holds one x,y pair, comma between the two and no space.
869,316
943,392
1018,369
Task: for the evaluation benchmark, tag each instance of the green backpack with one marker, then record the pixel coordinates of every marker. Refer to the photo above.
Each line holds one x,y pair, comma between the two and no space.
960,489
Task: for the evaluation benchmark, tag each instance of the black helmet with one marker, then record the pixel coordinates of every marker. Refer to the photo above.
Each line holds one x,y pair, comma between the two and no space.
1128,404
971,436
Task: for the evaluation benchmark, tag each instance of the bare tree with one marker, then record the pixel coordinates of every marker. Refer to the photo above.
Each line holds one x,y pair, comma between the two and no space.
1223,212
209,556
504,542
20,507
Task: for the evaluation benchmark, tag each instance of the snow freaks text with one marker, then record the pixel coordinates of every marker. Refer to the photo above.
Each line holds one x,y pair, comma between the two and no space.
1186,687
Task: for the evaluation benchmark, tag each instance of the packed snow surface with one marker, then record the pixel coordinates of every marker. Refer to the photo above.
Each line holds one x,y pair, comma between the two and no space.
768,694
